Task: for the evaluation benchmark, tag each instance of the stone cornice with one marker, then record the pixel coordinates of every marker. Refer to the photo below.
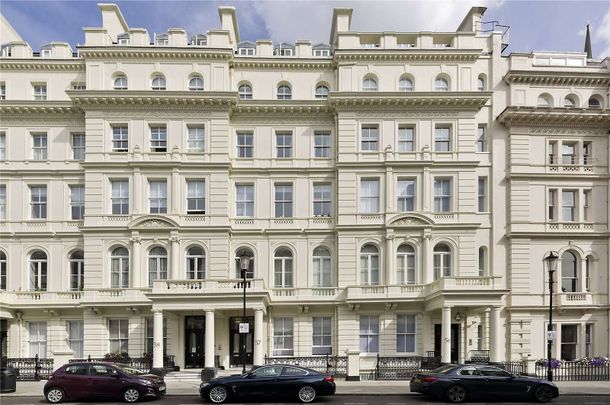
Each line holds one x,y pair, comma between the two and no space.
408,54
162,53
39,64
17,107
346,101
282,107
281,63
549,78
559,116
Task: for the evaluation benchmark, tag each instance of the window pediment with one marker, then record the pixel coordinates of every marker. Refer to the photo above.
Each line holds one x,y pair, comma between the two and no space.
153,222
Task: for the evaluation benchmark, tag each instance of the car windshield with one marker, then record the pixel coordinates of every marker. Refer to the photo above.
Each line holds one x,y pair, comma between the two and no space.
443,369
129,370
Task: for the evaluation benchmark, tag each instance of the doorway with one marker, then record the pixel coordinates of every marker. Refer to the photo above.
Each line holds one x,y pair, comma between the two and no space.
194,335
235,355
455,341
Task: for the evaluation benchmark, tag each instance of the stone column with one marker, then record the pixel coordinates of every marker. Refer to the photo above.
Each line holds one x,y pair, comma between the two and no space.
426,271
174,268
495,335
157,339
390,273
486,329
174,191
136,253
446,335
209,339
137,205
258,337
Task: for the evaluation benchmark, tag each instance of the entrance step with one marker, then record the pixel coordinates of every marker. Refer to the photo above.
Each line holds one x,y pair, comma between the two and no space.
194,374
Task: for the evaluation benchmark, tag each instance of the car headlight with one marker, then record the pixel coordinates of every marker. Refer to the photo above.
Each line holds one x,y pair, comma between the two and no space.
145,382
203,385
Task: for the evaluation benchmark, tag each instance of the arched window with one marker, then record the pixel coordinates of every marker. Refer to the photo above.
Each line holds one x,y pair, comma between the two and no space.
158,82
322,267
244,252
442,261
369,83
120,82
595,102
322,91
196,83
38,271
77,270
544,101
284,92
441,84
570,101
405,84
157,265
282,273
369,264
481,83
245,91
195,263
482,261
405,262
119,268
569,272
588,269
2,270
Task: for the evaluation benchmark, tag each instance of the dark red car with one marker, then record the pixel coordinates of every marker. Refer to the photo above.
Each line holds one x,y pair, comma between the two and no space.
102,380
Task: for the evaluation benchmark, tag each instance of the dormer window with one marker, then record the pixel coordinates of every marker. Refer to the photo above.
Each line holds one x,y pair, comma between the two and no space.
321,52
246,51
199,40
7,51
158,82
196,83
162,39
284,50
45,52
123,39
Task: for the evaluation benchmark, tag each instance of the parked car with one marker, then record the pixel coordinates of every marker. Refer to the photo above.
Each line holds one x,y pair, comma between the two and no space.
277,380
456,383
101,380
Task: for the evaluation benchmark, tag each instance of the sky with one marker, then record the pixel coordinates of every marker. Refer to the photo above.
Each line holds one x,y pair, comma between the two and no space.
543,25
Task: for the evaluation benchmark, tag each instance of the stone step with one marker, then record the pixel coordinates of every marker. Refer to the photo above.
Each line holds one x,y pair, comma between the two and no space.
195,374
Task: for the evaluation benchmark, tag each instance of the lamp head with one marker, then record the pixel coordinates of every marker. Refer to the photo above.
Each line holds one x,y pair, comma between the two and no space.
244,262
551,261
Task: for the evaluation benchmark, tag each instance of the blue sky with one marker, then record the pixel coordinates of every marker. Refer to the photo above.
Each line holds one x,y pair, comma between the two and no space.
535,25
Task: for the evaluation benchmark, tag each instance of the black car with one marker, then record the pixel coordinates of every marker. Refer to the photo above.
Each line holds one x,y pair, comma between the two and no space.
456,383
271,380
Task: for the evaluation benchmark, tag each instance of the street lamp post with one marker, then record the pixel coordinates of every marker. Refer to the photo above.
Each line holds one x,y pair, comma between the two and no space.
551,263
244,263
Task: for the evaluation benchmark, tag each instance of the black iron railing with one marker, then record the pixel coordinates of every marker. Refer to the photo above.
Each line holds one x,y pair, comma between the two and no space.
333,365
514,367
30,368
141,363
576,370
398,368
478,356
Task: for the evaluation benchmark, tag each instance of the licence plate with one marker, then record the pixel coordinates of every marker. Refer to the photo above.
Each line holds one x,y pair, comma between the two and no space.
162,388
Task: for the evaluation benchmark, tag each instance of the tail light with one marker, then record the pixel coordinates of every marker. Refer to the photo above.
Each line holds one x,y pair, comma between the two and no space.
429,379
329,379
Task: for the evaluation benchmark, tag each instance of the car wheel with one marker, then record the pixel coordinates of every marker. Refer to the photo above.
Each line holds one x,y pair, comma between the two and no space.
307,394
543,393
55,395
131,395
455,394
218,394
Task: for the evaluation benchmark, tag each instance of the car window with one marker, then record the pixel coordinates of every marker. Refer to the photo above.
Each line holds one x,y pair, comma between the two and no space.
493,372
269,371
78,369
129,370
444,369
102,370
469,371
293,371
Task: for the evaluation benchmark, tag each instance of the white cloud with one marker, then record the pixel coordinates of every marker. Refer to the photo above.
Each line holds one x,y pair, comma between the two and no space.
601,36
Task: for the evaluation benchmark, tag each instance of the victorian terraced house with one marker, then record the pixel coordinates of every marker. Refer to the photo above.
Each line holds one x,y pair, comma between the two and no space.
396,193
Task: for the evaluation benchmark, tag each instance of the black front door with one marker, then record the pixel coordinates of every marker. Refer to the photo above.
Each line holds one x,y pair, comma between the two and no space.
455,341
194,335
235,342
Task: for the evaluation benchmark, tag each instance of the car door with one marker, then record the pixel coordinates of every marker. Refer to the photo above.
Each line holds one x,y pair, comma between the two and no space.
470,378
105,381
289,380
500,383
261,381
75,380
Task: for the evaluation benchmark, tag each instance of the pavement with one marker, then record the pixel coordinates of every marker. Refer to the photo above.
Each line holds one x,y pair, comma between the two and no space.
569,388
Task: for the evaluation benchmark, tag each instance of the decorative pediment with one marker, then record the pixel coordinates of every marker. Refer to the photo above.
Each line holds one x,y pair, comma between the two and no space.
153,222
411,220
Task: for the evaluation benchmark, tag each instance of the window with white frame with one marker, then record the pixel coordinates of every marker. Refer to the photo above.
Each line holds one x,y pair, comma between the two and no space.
282,268
120,138
120,197
46,52
119,268
369,196
568,205
40,91
369,84
196,138
39,149
482,194
442,138
118,335
77,270
481,138
369,265
76,338
284,92
322,271
196,83
157,265
2,91
38,271
405,84
552,148
157,197
78,146
369,334
588,269
245,91
283,337
244,251
442,261
405,333
406,139
120,83
587,153
322,91
544,101
569,272
552,205
244,200
245,144
322,199
158,82
150,335
3,270
321,52
246,51
123,39
77,202
2,146
2,201
405,195
38,201
441,84
195,196
586,205
480,337
283,144
322,335
442,194
594,102
568,153
405,264
569,342
283,200
589,340
37,339
570,101
322,144
158,138
370,138
481,83
195,263
482,261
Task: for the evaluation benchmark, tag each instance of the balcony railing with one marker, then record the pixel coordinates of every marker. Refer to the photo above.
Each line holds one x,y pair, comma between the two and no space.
575,298
205,286
570,163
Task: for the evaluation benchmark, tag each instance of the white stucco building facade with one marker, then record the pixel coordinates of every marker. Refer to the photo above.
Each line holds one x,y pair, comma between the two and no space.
397,193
